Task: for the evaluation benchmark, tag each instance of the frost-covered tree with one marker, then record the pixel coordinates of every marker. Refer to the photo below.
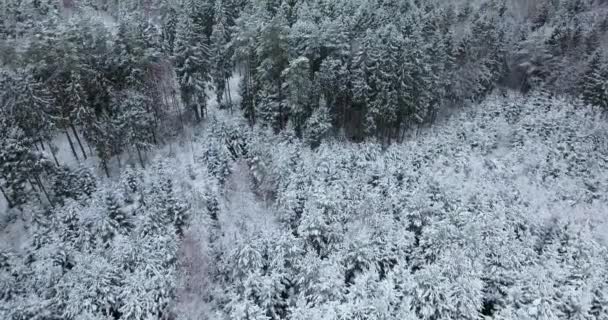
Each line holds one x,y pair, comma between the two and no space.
191,55
594,86
220,54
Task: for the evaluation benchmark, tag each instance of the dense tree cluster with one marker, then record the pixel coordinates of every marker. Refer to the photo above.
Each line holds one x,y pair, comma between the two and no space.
383,67
106,251
495,214
499,211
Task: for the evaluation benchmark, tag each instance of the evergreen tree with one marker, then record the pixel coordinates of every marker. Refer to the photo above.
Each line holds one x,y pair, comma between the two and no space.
594,86
21,168
27,104
135,122
220,55
192,62
272,53
168,27
318,125
299,92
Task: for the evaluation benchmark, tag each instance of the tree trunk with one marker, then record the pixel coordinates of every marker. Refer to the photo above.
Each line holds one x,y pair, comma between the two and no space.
32,185
228,95
154,140
42,145
141,159
53,153
89,146
250,93
8,201
279,87
72,145
197,116
178,108
84,154
41,186
104,164
119,162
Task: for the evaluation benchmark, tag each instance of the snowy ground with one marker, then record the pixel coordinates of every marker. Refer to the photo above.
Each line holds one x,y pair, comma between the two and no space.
243,212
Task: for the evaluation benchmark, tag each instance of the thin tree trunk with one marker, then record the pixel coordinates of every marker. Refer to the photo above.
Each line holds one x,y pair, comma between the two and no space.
179,109
41,186
228,94
280,106
53,153
89,146
344,117
104,164
8,201
42,145
32,185
119,162
196,113
154,140
72,145
250,92
141,159
36,146
84,154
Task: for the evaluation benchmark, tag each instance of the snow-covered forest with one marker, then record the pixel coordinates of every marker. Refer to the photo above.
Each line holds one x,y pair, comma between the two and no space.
304,159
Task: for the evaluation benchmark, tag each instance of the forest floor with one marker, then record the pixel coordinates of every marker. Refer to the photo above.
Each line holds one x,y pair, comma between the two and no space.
243,210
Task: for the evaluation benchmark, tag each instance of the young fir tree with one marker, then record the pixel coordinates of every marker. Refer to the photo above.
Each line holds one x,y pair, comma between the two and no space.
318,126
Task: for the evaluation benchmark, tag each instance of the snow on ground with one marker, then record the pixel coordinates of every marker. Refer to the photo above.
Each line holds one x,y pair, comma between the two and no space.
243,212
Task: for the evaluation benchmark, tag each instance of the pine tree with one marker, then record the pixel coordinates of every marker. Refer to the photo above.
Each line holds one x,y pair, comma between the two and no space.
192,62
73,183
220,55
299,92
135,122
318,125
272,52
594,86
21,168
168,28
27,104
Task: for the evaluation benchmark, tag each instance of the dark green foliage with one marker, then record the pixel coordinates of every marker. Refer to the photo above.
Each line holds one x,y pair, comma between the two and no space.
73,183
384,73
191,56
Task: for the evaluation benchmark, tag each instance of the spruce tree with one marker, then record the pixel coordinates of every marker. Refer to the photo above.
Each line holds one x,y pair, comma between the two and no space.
192,62
220,55
594,87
